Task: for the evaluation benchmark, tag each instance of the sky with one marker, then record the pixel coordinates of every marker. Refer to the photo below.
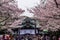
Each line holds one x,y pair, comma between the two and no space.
24,4
27,3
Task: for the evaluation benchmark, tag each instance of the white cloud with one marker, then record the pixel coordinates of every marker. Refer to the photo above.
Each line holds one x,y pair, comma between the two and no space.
27,3
24,4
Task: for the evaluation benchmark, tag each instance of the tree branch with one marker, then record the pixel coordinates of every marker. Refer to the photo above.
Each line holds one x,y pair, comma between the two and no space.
56,3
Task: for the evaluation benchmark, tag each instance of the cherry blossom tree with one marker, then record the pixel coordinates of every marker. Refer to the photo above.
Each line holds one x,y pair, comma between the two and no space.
8,14
49,15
